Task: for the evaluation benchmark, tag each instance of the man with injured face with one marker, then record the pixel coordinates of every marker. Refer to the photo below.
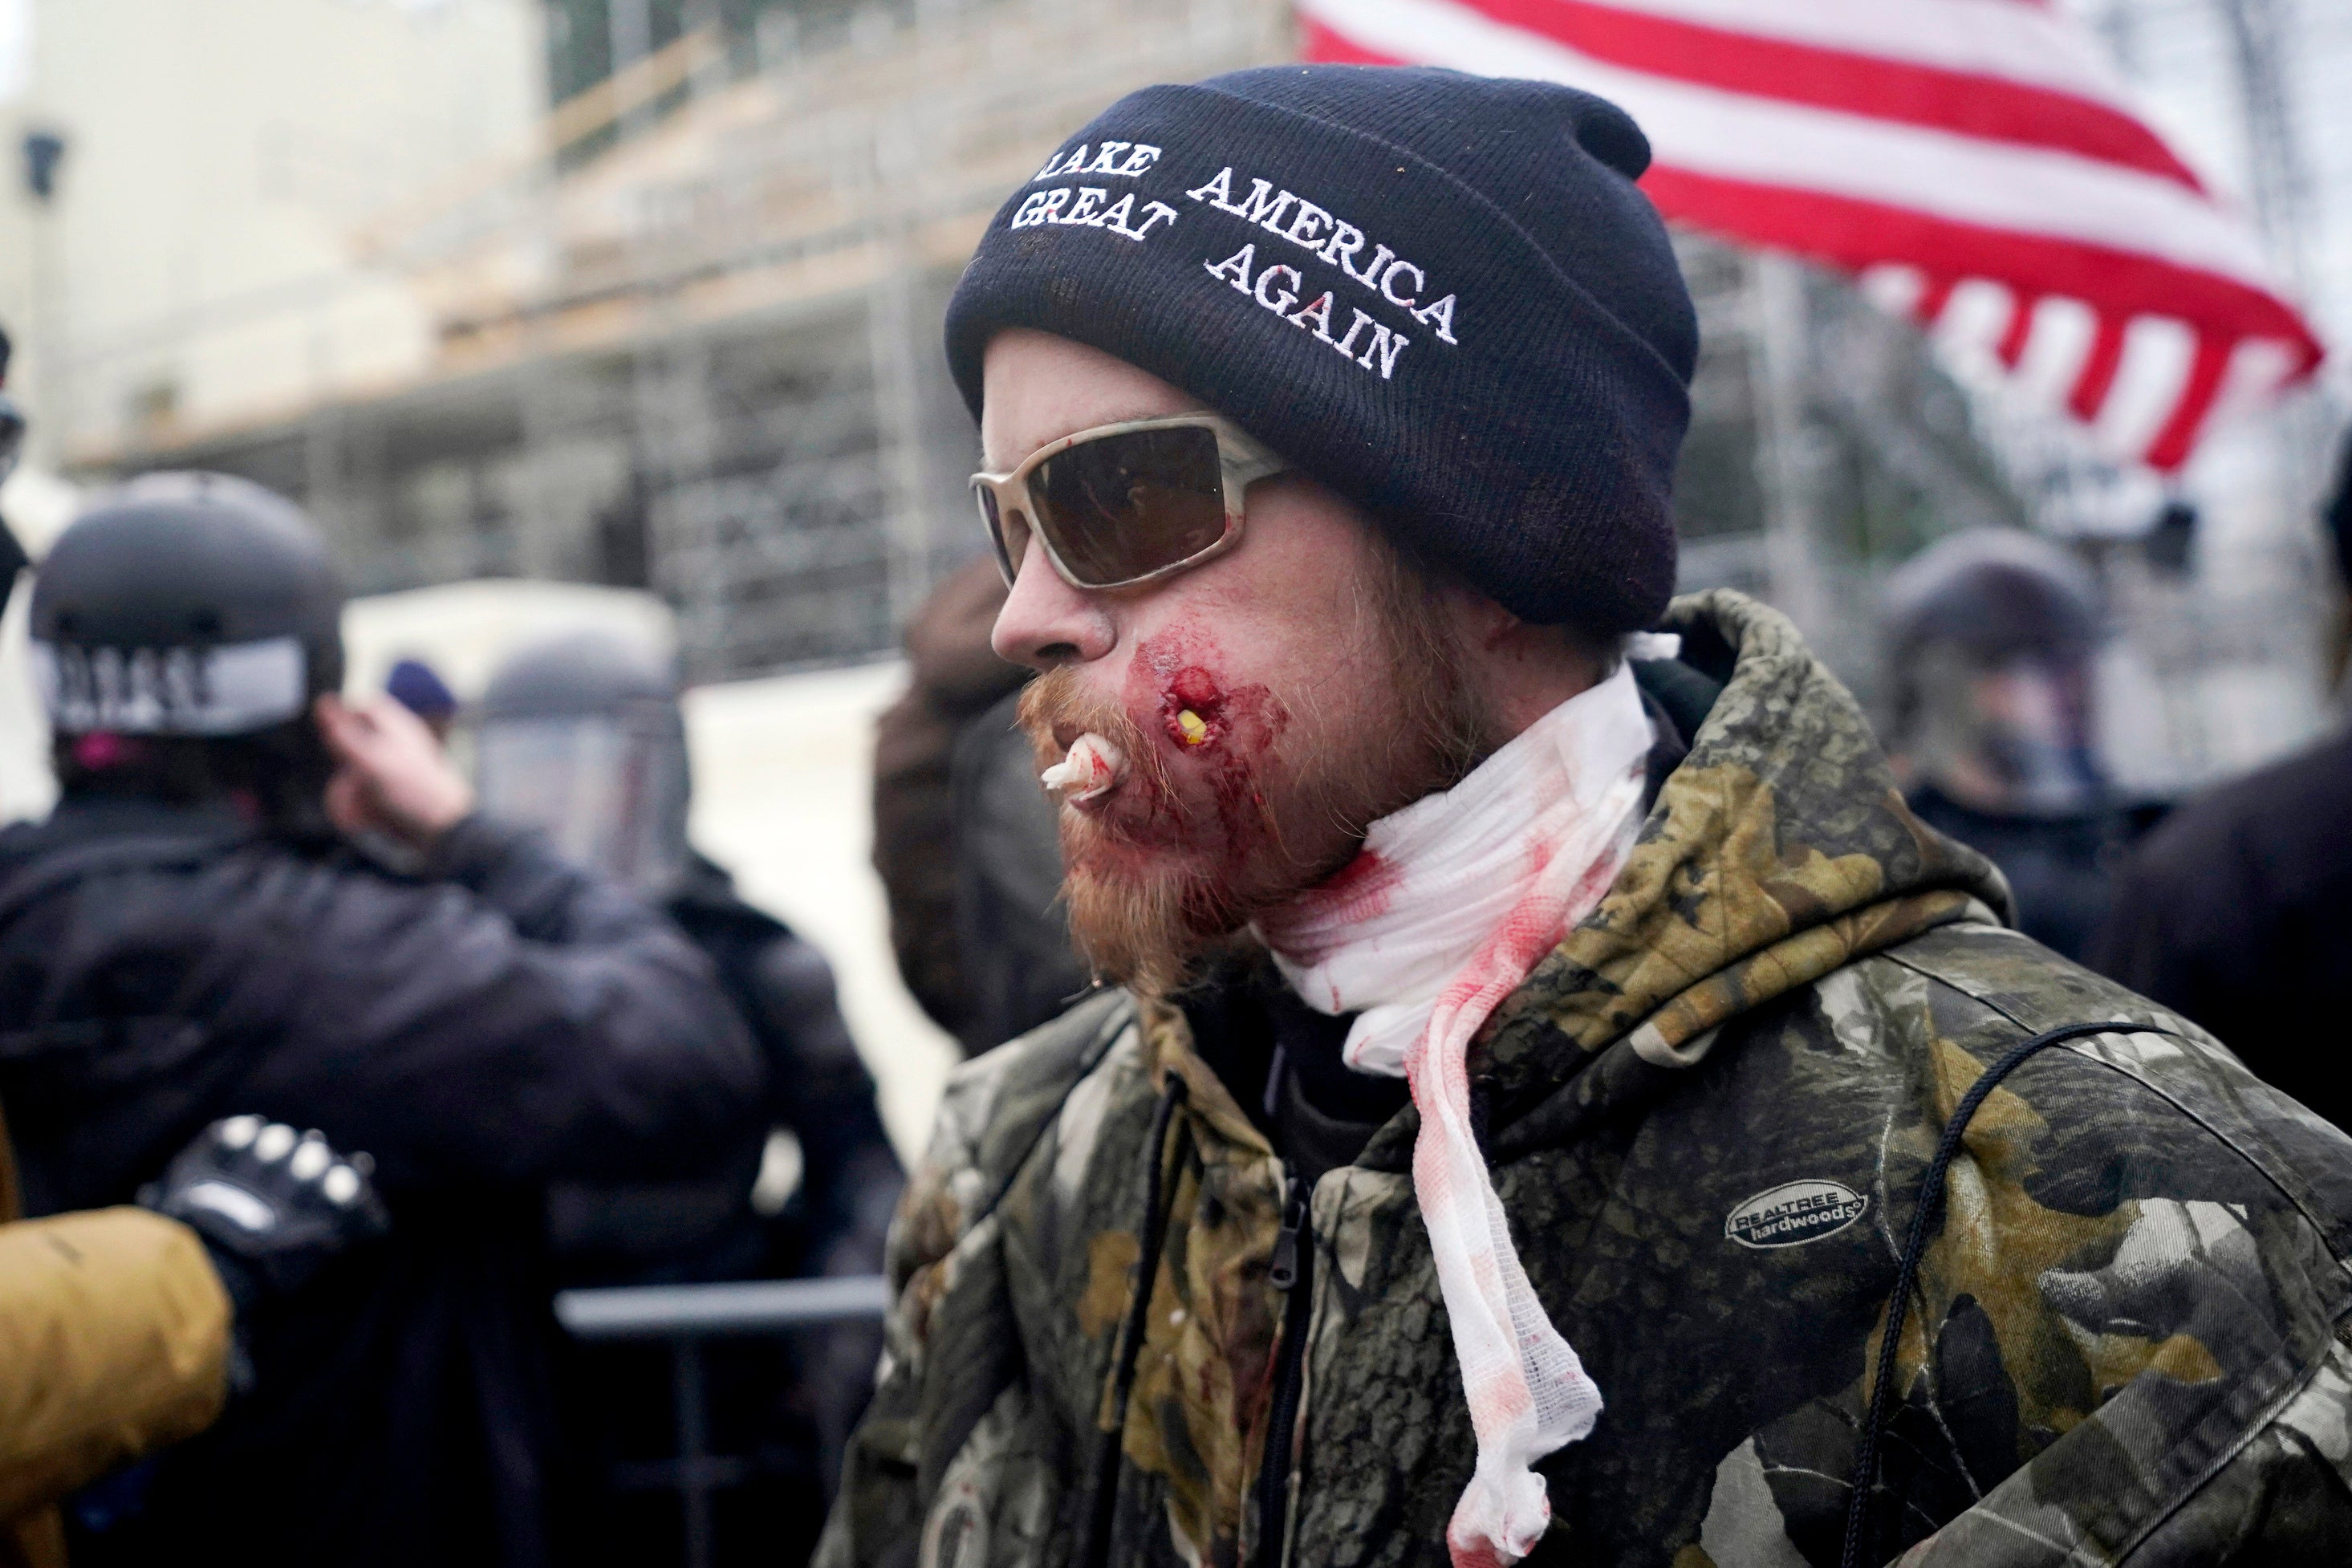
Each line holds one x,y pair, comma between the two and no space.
1548,1097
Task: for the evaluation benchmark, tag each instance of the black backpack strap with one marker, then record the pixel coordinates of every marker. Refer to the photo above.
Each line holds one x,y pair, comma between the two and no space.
1914,1248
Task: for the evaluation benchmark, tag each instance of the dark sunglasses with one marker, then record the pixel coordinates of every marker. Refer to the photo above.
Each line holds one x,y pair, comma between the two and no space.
1127,503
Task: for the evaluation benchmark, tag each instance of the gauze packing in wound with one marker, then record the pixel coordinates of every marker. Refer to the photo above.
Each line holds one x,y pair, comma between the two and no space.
1450,905
1091,766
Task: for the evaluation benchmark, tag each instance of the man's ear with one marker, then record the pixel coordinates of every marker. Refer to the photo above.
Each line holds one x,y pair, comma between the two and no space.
1529,670
1491,636
1484,624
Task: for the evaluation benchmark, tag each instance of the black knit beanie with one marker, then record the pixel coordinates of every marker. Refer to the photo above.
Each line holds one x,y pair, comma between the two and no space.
1440,295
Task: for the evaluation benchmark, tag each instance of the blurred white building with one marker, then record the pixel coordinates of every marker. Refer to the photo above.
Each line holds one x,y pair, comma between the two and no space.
196,264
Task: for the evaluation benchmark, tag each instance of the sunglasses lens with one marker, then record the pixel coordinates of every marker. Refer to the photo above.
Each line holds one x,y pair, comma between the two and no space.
1121,506
1008,535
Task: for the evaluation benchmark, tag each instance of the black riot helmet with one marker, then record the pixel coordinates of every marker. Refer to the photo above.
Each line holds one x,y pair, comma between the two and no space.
582,735
186,605
1991,638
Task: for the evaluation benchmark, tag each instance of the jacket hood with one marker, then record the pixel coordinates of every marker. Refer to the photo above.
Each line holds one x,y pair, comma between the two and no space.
1779,849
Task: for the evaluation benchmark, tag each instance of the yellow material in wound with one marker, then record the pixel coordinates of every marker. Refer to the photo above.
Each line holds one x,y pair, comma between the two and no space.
1194,727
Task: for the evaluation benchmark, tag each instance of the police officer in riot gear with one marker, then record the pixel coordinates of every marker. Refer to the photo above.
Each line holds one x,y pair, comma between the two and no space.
582,737
1992,635
191,934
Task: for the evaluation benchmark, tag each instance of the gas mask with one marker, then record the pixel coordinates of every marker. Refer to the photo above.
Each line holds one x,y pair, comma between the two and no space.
1993,640
2010,736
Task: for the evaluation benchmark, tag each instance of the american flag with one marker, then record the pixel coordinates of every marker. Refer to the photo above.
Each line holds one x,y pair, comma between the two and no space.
1978,163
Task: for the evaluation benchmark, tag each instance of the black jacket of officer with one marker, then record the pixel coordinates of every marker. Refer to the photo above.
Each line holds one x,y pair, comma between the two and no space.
583,735
185,936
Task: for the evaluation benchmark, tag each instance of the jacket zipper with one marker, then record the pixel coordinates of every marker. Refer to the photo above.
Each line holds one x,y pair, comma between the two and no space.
1292,1273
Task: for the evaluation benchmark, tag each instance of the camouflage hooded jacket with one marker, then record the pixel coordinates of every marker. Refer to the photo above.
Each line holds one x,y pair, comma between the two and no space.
1710,1114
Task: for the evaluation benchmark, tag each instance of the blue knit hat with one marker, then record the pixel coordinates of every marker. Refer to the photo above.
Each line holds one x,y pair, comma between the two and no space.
1440,295
417,687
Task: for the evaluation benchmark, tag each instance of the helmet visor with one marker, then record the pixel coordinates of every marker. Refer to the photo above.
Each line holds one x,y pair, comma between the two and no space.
609,791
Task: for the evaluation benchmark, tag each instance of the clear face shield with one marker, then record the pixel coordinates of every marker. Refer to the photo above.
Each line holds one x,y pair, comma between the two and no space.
611,789
2011,736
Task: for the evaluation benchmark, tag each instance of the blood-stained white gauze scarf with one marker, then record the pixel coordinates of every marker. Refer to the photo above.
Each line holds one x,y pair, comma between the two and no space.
1451,902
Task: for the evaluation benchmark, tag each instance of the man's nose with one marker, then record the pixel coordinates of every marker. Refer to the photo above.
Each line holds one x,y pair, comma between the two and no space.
1046,623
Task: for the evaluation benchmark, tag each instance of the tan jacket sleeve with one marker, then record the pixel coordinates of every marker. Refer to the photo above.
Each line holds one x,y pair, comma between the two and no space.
114,1341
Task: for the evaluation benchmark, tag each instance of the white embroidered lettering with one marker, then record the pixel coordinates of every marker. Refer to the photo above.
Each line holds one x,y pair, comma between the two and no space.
1439,315
1347,346
1057,165
1288,298
1121,159
1218,192
1307,228
1088,211
1334,241
1370,275
1318,315
1314,228
1345,242
1389,277
1027,218
1236,269
1388,345
1264,206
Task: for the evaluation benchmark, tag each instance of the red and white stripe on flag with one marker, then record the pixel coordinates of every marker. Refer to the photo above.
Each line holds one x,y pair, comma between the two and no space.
1976,161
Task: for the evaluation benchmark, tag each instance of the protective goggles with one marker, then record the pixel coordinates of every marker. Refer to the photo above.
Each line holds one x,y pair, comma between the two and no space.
1127,503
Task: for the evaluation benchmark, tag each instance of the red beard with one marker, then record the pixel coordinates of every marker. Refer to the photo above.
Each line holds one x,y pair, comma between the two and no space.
1229,797
1181,852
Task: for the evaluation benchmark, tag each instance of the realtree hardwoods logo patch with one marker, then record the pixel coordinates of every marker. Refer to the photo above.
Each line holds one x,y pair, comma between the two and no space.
1794,1212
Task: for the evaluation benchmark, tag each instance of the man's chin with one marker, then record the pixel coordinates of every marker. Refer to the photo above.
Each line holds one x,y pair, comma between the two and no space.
1145,917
